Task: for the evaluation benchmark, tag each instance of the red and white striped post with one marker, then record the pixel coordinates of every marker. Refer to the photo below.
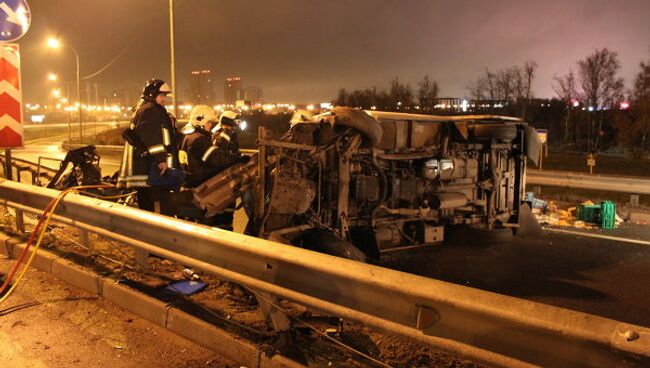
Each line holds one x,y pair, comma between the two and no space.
11,107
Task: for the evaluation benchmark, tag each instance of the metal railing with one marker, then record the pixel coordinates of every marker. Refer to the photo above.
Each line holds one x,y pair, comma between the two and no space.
37,170
611,183
489,328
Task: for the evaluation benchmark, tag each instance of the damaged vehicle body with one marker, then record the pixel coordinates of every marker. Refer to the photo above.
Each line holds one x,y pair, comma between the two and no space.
356,183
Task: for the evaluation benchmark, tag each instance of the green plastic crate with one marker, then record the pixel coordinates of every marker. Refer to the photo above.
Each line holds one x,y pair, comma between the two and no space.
608,215
589,213
603,214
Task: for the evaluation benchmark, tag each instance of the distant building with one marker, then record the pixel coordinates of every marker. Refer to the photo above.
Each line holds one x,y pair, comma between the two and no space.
232,90
201,88
254,94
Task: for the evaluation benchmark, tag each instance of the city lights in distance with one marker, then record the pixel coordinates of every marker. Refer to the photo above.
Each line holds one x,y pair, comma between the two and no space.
52,77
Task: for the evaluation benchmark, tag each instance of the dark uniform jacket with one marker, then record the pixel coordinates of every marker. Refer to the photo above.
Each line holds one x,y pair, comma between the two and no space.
229,140
158,142
200,159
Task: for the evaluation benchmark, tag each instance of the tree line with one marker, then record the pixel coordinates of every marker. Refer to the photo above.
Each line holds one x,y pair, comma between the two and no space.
400,96
592,109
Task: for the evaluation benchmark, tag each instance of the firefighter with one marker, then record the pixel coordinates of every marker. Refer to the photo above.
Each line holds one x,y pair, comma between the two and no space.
150,151
225,135
199,158
226,132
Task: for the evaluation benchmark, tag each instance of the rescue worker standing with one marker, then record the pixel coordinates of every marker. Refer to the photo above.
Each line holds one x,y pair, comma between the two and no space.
199,158
225,135
150,148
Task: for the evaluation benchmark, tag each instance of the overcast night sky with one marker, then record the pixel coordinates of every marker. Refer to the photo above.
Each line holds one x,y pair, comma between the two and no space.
304,51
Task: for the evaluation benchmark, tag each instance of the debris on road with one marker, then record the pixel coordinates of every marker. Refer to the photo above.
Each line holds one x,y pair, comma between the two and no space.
587,215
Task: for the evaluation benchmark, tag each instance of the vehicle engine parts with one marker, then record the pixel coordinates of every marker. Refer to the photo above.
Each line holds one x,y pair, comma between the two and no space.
382,181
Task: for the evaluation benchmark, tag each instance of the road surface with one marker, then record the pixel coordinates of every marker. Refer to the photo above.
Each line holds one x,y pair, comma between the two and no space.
50,147
597,276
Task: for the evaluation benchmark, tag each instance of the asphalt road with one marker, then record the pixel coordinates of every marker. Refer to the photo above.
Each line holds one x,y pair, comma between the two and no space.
596,276
47,323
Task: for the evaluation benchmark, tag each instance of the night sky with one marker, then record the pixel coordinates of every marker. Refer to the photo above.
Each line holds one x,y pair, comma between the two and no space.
302,51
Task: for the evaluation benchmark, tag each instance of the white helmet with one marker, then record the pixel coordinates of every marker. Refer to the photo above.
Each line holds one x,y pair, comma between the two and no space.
229,117
202,114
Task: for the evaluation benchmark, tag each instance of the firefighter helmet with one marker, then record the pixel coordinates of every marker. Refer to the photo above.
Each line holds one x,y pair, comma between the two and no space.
153,88
202,114
229,117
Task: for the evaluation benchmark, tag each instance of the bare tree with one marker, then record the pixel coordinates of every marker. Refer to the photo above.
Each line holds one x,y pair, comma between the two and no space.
476,90
641,102
342,98
427,93
526,76
401,94
490,83
566,89
601,88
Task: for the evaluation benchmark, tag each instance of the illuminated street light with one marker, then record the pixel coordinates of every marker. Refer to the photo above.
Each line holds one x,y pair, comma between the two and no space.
56,93
55,43
52,77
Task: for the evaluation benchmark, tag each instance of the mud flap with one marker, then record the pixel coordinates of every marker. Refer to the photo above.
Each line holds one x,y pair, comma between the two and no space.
528,224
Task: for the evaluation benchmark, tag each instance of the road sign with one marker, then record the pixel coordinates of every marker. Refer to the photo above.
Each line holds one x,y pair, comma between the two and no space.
15,18
11,111
591,162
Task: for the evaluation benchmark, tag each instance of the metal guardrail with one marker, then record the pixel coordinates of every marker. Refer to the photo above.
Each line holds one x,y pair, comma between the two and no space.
489,328
621,184
36,170
118,149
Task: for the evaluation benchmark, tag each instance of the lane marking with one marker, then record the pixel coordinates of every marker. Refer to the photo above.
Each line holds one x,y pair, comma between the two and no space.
598,236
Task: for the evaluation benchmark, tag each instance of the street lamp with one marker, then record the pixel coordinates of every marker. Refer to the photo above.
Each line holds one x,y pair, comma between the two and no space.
55,43
52,77
172,62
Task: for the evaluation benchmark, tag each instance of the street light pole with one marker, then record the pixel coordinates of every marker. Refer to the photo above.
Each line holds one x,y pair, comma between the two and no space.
172,62
81,134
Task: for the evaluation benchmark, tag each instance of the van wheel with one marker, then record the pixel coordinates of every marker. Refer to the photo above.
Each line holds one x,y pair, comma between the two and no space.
326,242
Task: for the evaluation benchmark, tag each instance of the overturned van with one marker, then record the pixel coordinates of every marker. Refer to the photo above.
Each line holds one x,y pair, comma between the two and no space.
357,183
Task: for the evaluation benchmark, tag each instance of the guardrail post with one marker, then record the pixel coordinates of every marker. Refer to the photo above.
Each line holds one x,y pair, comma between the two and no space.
20,221
7,165
634,200
141,256
85,238
274,315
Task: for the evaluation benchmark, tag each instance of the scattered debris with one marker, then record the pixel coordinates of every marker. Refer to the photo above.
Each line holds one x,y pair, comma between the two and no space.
189,274
586,215
188,287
